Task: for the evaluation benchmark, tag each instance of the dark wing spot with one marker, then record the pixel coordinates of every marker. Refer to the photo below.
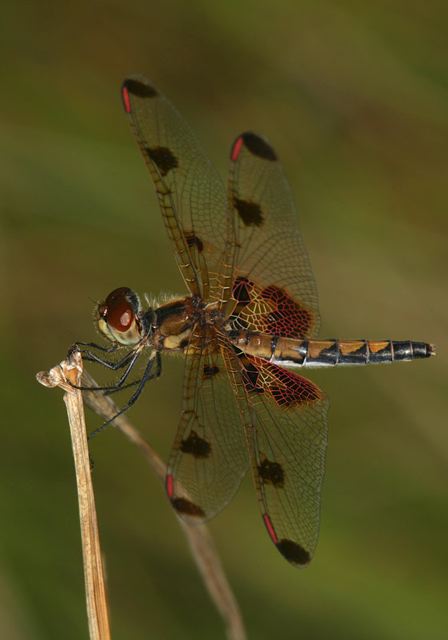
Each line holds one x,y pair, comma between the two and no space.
241,290
249,212
182,505
293,552
259,147
197,446
194,241
163,158
139,88
250,375
209,371
272,473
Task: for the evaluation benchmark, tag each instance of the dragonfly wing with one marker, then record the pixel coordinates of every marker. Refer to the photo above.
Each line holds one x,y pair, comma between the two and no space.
209,456
273,278
285,416
191,194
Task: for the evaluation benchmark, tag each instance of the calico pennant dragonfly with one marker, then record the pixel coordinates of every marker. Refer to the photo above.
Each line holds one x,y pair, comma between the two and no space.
251,315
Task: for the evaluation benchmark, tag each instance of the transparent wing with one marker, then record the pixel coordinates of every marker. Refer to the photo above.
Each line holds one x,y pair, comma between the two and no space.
191,194
286,425
273,268
209,455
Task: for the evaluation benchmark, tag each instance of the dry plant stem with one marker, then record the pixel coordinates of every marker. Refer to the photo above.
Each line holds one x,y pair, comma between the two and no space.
200,541
96,600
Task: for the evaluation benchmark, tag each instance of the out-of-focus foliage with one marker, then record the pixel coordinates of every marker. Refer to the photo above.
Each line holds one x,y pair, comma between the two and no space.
354,98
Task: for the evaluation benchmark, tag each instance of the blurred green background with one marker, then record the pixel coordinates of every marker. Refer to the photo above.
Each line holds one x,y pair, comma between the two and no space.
354,98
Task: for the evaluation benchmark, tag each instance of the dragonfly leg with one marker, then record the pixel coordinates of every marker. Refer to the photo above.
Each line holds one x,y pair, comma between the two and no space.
94,345
119,384
113,389
119,364
148,374
108,391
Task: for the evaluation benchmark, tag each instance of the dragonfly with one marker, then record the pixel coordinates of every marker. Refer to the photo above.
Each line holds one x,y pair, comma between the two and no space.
250,319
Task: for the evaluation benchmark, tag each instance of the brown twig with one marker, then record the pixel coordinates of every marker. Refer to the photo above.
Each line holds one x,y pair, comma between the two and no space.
202,547
96,600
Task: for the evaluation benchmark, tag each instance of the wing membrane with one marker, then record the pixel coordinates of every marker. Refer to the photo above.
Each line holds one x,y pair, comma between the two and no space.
209,456
271,256
191,194
286,425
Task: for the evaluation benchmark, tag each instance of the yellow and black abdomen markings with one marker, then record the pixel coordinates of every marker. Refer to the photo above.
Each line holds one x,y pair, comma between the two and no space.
329,352
321,353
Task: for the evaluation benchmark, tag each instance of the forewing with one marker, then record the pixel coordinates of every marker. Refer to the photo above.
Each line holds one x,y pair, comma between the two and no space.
273,274
209,456
191,194
286,425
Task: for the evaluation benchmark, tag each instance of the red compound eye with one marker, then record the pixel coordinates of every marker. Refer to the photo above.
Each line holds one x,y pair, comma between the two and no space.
119,309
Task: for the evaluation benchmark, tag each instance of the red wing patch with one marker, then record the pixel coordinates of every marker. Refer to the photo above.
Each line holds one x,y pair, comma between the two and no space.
270,310
285,387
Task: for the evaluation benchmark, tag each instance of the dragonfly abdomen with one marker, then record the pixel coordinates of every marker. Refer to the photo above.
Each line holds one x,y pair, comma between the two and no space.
321,353
330,352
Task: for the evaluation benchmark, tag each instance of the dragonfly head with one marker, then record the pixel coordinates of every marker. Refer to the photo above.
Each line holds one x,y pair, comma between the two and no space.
119,317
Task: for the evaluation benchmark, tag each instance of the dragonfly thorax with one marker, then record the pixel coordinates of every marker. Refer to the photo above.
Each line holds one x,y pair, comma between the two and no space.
174,321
